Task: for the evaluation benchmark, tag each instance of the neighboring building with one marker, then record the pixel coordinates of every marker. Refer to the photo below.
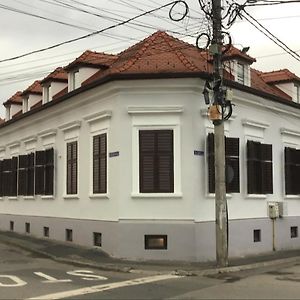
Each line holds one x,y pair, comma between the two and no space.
115,151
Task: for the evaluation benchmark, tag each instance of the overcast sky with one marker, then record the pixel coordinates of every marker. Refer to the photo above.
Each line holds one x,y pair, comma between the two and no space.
24,33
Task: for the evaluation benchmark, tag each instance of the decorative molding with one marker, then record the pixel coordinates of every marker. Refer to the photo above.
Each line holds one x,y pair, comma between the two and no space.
13,145
106,114
30,139
70,126
285,131
47,133
159,109
256,124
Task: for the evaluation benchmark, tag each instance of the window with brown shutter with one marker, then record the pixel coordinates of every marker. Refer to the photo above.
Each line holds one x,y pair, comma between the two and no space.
72,168
292,171
22,174
100,164
30,175
39,172
232,164
14,177
156,161
49,171
259,168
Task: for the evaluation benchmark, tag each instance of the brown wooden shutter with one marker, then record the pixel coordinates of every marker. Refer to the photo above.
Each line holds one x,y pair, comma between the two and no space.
100,163
232,154
267,168
40,172
22,174
211,162
288,170
156,161
147,160
30,174
254,181
14,176
72,168
49,171
165,161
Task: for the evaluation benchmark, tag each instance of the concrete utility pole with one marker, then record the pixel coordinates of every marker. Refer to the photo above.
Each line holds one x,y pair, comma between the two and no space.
219,140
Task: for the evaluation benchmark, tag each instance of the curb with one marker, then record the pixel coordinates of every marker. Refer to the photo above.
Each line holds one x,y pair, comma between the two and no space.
178,272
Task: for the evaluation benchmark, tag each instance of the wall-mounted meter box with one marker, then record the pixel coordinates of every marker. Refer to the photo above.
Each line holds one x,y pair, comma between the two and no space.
273,210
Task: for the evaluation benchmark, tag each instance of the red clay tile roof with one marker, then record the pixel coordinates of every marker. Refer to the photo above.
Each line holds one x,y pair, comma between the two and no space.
38,104
236,53
35,88
258,82
59,74
280,76
15,99
17,114
93,59
158,53
61,93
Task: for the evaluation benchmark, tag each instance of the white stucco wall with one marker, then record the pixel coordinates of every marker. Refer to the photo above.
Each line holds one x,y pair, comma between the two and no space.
120,109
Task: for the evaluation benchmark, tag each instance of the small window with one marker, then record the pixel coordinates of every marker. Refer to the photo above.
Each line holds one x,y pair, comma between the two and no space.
46,231
69,235
241,73
256,235
11,225
97,239
156,242
27,227
294,232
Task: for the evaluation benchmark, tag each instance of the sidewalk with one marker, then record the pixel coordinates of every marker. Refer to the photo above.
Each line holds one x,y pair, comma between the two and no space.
95,258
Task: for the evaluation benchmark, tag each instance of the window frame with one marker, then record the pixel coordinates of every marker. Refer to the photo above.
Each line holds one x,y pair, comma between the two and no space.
240,73
156,154
264,189
176,159
92,191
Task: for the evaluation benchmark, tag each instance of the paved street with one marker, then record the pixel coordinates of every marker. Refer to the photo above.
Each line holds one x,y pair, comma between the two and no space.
25,275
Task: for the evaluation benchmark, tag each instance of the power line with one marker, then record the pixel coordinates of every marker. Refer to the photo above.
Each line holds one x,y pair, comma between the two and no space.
88,35
268,34
5,7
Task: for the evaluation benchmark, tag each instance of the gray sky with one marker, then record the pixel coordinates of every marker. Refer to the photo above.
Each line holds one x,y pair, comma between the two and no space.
22,33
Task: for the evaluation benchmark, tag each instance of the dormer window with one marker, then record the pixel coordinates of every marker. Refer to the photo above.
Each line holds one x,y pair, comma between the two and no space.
74,82
25,104
240,73
47,93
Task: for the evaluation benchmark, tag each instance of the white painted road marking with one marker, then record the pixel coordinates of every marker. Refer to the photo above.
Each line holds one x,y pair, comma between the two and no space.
17,281
104,287
51,279
86,275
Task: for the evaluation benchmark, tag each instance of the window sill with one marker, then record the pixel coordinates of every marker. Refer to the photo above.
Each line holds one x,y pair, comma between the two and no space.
256,196
99,196
296,197
156,195
47,197
12,198
212,196
28,197
75,197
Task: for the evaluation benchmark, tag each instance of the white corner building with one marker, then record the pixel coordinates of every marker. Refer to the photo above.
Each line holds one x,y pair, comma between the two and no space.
114,151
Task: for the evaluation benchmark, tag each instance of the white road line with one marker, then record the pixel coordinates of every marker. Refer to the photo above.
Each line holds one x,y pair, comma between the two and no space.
104,287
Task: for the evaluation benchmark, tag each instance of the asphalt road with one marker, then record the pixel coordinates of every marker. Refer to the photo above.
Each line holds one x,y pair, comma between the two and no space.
27,276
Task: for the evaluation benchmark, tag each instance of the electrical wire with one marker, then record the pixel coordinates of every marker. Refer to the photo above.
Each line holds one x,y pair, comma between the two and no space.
88,35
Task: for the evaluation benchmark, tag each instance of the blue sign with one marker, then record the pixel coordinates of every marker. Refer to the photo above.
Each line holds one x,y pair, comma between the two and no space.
198,153
114,154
